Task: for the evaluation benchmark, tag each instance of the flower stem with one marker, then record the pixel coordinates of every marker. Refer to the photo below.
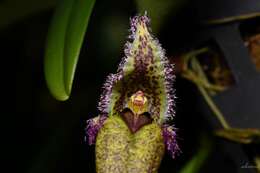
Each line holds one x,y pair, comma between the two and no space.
213,107
207,98
195,73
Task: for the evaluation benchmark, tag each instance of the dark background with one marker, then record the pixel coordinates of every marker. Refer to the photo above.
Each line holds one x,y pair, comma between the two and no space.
44,135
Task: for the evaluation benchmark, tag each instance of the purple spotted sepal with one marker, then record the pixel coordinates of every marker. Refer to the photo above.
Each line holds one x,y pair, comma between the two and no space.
93,126
144,67
169,135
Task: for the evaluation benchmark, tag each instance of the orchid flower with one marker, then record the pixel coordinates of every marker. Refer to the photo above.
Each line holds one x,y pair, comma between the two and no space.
136,108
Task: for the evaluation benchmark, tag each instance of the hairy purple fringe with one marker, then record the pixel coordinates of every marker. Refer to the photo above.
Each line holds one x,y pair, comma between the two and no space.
93,126
105,97
133,25
169,135
170,91
134,21
169,78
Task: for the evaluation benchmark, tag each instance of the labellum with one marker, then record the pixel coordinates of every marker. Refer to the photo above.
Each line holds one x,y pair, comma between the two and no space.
137,103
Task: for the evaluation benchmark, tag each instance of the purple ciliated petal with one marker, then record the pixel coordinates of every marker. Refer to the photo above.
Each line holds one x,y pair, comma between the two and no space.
93,126
105,97
170,141
169,79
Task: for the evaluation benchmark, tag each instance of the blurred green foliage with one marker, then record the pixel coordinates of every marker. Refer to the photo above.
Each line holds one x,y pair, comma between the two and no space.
12,11
64,40
195,163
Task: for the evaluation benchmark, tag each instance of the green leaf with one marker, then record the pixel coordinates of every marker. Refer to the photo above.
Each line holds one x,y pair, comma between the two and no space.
54,52
64,40
76,30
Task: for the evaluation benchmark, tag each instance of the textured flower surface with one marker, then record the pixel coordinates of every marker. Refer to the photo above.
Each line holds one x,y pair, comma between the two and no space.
135,107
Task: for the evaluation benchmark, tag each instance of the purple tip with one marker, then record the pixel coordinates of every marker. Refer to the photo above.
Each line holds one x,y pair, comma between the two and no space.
144,19
105,97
